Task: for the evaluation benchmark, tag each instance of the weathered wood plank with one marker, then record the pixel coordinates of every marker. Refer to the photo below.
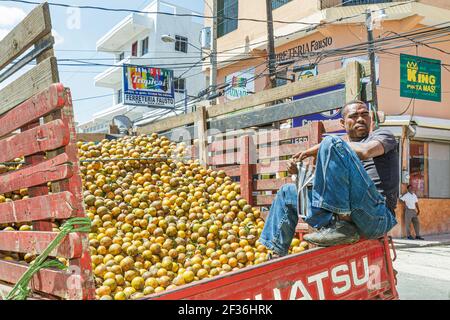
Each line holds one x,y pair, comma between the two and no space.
224,159
37,79
168,123
200,123
281,150
246,169
47,137
270,136
332,125
353,86
264,200
55,282
314,104
32,28
39,174
272,167
231,171
270,184
52,206
38,106
74,185
35,242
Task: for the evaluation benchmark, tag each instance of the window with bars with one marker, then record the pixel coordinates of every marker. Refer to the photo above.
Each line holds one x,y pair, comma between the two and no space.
181,44
144,46
227,14
278,3
179,85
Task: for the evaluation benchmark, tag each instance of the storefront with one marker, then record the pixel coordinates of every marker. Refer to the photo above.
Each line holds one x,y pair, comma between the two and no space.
425,164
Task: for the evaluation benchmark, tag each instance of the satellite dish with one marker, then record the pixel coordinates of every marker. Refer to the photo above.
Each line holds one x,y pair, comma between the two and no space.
123,123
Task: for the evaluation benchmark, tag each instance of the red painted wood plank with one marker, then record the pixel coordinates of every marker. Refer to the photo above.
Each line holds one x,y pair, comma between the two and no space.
58,283
47,137
280,135
228,144
32,109
272,167
281,150
35,242
232,171
246,170
263,200
332,125
224,159
83,264
53,206
50,170
270,184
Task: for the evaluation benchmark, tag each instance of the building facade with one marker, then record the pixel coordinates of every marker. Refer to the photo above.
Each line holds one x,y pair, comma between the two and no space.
316,36
138,40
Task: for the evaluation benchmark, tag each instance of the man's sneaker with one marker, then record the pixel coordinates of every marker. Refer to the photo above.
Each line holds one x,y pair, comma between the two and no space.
339,232
410,238
419,238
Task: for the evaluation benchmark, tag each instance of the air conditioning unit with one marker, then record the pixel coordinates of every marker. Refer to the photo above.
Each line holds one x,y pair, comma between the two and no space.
205,36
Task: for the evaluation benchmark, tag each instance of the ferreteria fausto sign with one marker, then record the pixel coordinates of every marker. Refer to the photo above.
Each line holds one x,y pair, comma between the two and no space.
301,49
420,78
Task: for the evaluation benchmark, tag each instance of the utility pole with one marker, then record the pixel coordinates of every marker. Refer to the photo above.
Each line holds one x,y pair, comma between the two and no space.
271,45
373,75
213,56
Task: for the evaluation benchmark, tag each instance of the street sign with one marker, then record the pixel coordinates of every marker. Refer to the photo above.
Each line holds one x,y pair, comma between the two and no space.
148,87
420,78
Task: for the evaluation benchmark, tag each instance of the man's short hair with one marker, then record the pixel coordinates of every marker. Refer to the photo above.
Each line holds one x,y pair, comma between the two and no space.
344,108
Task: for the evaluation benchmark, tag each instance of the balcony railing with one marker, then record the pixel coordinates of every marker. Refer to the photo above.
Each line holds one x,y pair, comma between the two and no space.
324,4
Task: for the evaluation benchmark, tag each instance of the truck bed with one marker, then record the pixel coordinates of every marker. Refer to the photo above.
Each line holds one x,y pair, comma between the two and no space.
359,271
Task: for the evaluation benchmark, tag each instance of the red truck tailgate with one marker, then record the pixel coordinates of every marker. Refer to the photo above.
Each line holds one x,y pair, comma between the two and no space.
359,271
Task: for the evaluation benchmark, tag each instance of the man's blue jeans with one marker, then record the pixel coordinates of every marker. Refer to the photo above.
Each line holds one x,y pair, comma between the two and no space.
341,186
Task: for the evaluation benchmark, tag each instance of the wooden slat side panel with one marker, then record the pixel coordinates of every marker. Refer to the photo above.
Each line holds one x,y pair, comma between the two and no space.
264,200
332,125
53,206
47,137
271,136
49,281
41,76
261,138
73,184
270,184
38,106
229,158
35,242
232,171
281,151
34,27
50,170
273,167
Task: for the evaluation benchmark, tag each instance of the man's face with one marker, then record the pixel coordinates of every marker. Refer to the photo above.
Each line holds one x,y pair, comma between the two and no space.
410,189
357,121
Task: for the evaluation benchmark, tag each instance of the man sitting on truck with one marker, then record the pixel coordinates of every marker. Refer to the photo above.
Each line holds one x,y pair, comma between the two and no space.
355,187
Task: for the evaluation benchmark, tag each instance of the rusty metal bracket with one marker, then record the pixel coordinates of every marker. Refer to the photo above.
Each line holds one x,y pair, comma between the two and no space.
33,54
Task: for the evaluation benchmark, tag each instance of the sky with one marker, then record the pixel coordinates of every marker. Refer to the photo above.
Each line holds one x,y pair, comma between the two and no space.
76,34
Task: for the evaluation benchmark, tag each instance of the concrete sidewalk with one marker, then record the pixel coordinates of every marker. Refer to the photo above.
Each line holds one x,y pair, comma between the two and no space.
430,241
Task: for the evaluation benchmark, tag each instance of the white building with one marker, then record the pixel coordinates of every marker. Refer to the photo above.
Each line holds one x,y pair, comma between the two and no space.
137,40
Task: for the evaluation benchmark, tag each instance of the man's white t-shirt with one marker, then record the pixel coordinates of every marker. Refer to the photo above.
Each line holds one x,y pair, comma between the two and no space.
410,199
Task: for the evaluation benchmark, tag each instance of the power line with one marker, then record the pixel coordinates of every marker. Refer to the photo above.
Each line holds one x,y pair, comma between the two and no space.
192,15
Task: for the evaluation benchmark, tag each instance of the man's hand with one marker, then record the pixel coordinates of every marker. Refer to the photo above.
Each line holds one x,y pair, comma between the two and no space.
292,167
311,152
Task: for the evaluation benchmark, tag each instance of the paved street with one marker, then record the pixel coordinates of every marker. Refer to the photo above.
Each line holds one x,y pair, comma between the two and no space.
423,273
